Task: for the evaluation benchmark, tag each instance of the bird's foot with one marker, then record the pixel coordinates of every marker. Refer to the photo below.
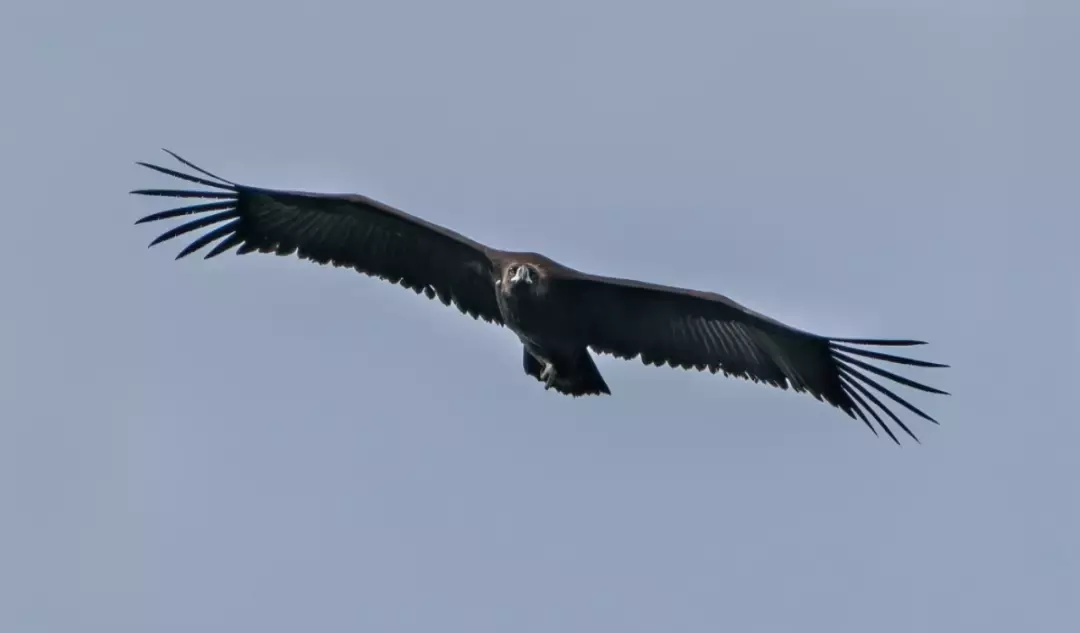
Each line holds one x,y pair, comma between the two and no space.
548,376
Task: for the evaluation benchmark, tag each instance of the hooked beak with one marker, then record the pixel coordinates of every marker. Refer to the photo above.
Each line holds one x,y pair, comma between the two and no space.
522,273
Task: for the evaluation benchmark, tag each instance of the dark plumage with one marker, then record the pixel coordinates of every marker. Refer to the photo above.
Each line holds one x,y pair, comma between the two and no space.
558,313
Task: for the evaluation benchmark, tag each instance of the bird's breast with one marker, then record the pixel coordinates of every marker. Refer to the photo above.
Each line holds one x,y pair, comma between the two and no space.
535,317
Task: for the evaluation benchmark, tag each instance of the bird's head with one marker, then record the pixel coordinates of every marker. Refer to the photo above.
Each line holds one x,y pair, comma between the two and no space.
521,277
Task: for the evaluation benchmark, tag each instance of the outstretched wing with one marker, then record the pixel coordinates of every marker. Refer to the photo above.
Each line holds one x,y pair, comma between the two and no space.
701,330
344,230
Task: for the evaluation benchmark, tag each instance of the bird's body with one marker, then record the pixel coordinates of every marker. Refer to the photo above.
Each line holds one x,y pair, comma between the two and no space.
555,351
559,314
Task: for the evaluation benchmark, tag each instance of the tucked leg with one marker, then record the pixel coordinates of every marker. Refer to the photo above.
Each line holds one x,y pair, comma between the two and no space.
548,375
572,373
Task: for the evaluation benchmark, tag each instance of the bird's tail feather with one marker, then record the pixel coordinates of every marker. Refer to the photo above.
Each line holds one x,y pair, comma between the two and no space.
575,375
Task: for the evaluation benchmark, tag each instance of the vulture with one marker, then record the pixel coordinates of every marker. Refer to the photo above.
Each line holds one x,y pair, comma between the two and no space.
558,313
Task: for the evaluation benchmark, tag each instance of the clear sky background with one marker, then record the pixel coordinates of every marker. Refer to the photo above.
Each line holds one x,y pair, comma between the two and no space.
261,444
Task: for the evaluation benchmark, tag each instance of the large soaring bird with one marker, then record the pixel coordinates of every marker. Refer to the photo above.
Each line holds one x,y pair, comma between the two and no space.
558,313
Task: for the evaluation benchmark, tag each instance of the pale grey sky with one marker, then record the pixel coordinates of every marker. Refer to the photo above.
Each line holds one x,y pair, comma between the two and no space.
261,444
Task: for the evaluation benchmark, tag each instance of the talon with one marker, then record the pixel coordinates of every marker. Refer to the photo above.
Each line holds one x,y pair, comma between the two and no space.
548,376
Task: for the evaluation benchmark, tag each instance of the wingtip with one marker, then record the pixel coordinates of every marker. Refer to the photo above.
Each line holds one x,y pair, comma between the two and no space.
173,154
907,342
884,342
143,163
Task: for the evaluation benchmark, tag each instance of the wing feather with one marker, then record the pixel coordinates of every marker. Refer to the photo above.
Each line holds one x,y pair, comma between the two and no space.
701,330
340,229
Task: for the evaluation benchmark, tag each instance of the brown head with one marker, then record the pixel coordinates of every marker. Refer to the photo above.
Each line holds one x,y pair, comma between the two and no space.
523,277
